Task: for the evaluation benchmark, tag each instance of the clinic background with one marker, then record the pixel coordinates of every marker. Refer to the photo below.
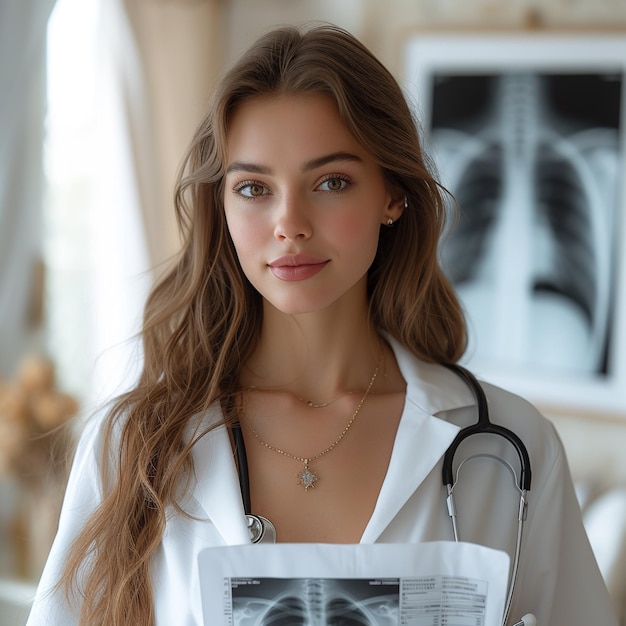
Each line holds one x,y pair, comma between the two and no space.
98,101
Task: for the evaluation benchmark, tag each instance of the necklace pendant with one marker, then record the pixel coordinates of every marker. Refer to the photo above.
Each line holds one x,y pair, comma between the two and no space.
307,478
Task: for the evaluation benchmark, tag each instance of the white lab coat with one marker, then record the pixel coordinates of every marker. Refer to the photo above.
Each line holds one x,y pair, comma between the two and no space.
558,578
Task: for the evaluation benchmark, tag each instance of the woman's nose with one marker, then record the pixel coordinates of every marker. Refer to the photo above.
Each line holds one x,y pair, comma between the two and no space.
293,221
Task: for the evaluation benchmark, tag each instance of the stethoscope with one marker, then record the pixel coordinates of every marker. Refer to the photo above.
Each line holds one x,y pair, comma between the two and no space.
522,483
263,531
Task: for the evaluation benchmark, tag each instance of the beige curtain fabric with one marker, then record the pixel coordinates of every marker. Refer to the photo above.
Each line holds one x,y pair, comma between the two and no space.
179,44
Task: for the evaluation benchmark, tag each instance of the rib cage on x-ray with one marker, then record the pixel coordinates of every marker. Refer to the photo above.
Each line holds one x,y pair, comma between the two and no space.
317,602
534,243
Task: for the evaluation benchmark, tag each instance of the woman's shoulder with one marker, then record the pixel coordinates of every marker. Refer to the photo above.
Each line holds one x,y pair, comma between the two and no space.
441,392
93,444
446,391
98,427
515,411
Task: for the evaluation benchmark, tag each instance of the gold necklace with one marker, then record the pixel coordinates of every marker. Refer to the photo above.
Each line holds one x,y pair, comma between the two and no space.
307,477
308,403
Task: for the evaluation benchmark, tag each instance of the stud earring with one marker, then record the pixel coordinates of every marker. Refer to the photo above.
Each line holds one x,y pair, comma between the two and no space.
389,222
406,203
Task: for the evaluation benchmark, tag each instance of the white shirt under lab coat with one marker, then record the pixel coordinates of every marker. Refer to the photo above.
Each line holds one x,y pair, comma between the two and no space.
558,579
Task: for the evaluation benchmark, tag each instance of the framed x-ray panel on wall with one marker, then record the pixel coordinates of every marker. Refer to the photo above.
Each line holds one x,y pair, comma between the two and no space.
527,132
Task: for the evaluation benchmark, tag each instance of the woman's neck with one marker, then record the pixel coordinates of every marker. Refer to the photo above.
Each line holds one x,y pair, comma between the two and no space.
316,356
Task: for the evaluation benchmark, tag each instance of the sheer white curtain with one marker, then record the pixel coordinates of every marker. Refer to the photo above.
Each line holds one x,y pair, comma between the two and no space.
22,107
120,259
157,64
98,267
153,66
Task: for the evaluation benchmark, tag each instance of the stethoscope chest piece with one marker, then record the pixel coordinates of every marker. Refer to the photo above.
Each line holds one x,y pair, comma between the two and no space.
261,529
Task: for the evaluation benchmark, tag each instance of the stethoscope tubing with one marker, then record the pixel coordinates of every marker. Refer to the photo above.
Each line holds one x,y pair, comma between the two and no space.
260,528
484,426
242,467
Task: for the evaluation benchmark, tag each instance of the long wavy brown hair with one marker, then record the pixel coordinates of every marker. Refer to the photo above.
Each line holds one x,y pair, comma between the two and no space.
202,320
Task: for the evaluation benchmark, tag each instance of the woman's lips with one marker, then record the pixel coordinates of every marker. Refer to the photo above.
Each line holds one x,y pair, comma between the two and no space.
297,267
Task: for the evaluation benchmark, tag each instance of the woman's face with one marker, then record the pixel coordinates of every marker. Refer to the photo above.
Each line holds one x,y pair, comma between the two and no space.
304,202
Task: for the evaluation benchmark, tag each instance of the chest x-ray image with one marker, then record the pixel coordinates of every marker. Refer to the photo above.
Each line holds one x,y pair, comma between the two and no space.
315,602
532,160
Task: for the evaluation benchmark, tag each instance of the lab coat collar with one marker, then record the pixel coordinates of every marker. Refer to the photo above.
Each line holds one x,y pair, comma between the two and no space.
430,386
431,390
217,483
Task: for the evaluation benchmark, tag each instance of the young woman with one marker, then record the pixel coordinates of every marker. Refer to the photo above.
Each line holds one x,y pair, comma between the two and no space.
308,310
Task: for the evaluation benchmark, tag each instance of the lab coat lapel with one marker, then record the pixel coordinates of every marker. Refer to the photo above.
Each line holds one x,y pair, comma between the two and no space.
421,441
422,437
217,486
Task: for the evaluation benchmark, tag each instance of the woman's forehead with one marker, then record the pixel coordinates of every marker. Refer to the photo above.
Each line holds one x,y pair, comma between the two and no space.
302,127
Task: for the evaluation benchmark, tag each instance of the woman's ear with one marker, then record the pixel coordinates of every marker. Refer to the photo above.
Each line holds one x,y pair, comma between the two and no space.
394,210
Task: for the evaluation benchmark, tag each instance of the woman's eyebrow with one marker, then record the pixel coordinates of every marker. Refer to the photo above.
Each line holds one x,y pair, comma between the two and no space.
330,158
255,168
242,166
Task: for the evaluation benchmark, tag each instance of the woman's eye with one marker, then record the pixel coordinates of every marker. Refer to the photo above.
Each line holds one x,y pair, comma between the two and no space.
251,189
333,183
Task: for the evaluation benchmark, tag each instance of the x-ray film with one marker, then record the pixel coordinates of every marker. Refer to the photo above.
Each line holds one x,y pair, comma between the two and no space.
354,585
